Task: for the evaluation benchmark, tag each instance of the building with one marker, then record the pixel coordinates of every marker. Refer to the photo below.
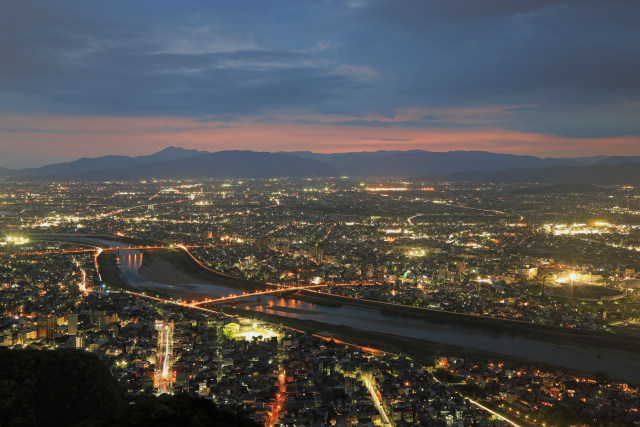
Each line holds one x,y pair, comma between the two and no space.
47,327
72,324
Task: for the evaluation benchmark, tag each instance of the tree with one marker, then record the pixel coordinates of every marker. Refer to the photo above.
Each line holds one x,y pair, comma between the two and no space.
602,377
72,387
55,387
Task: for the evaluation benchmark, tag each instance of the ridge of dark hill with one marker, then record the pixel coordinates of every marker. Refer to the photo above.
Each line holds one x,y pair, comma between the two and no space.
613,160
4,172
58,387
177,163
67,387
417,162
603,174
560,189
221,164
105,163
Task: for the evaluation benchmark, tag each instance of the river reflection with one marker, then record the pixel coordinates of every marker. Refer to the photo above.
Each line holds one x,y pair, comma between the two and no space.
372,320
129,262
620,365
626,367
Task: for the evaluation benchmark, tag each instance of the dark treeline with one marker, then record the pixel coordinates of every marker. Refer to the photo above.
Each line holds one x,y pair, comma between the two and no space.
73,388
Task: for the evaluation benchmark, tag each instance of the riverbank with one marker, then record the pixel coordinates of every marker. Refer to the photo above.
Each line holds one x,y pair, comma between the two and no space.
110,274
484,337
176,266
422,351
533,331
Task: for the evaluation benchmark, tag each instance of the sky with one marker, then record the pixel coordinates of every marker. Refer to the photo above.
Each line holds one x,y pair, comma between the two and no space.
541,77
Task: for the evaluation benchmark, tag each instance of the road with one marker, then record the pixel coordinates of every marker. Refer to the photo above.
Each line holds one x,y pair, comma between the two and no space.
412,217
369,381
247,295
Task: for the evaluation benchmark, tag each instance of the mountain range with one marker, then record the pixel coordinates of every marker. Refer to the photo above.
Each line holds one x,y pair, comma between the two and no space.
481,166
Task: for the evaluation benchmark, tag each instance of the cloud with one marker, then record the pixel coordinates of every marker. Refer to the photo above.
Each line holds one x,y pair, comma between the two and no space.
358,72
566,68
385,139
91,136
111,67
202,40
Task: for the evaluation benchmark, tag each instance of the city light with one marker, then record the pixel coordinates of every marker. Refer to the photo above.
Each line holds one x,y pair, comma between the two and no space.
382,189
16,240
329,254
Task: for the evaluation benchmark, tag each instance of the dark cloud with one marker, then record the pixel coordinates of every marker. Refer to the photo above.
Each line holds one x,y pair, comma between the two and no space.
576,61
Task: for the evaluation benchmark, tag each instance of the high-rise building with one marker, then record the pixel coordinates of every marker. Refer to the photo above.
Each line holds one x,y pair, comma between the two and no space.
100,319
47,327
76,342
163,375
72,324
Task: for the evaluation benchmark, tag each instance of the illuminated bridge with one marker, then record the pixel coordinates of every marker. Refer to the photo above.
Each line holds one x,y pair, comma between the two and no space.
223,300
229,298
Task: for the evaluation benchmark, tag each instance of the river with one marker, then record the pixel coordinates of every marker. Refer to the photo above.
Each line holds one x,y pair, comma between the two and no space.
618,365
623,365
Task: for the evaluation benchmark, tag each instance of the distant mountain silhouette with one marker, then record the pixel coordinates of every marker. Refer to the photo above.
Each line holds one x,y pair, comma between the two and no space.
179,163
604,174
561,189
416,162
105,163
223,164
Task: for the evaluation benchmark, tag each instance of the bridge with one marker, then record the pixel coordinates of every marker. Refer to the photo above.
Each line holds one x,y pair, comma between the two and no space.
278,290
243,295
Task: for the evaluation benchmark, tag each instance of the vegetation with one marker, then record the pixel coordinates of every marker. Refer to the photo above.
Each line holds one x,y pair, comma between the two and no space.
71,387
184,263
560,416
178,411
59,387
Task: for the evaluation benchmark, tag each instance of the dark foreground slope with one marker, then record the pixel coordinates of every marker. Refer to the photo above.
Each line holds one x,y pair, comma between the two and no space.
73,388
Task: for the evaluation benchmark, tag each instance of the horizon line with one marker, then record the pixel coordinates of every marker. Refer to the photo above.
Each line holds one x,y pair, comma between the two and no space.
199,151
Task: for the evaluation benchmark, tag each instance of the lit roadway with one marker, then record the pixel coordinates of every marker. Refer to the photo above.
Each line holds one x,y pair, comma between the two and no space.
474,208
370,383
367,381
245,295
196,305
267,292
412,217
492,412
481,406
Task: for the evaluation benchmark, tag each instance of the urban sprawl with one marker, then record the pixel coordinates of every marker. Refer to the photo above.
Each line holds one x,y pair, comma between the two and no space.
127,271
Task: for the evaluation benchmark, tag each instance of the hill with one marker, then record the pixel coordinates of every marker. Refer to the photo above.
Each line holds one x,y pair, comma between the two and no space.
180,163
73,388
414,162
561,189
222,164
55,387
105,163
603,174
